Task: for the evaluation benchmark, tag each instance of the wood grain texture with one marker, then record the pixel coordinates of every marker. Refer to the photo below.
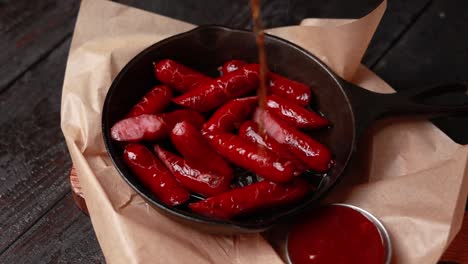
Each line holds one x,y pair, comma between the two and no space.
433,51
398,18
276,13
63,235
29,30
34,161
230,13
237,13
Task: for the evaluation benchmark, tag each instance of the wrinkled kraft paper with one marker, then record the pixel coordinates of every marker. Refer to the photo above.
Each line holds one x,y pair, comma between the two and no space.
414,178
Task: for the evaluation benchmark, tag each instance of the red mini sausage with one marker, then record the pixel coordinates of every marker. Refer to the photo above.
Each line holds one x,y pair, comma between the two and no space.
178,76
193,146
230,115
312,153
251,198
192,117
192,177
249,130
230,66
210,95
138,128
251,156
154,175
293,91
153,127
290,90
293,114
152,102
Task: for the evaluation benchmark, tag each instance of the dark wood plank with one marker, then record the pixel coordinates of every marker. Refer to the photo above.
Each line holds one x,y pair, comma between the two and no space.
232,13
29,30
34,161
63,235
433,51
237,14
398,17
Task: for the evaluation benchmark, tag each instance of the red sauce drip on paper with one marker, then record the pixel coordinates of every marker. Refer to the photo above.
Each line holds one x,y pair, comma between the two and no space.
335,235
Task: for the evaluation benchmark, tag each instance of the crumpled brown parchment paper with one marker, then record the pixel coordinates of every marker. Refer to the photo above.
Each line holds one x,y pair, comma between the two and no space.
414,179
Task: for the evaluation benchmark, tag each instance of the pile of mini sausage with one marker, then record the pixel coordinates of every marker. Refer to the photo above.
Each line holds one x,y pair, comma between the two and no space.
215,127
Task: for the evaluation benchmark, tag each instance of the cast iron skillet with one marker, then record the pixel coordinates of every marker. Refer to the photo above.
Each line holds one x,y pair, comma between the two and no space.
204,48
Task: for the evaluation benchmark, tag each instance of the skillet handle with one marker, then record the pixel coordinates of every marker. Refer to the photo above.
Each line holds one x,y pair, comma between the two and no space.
369,106
412,101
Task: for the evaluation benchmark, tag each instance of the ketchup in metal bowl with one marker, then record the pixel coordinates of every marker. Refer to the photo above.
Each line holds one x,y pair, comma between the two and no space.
337,234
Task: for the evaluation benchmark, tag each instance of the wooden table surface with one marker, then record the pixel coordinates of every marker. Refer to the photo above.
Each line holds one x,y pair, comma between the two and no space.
419,42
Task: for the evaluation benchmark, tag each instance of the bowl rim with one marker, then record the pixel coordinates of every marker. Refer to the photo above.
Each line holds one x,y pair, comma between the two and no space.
252,227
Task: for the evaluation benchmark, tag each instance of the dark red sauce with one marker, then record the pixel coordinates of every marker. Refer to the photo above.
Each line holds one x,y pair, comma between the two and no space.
335,235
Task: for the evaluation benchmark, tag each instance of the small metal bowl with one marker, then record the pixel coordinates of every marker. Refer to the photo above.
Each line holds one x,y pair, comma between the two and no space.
380,227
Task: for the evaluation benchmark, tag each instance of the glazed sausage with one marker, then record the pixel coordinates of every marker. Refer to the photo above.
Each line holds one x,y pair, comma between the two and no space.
249,130
293,114
181,78
193,146
210,95
230,66
252,198
153,127
251,156
154,175
194,178
152,102
312,153
288,89
230,115
177,116
138,128
293,91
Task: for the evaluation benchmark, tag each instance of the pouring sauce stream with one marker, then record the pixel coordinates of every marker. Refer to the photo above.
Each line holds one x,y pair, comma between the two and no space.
260,39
